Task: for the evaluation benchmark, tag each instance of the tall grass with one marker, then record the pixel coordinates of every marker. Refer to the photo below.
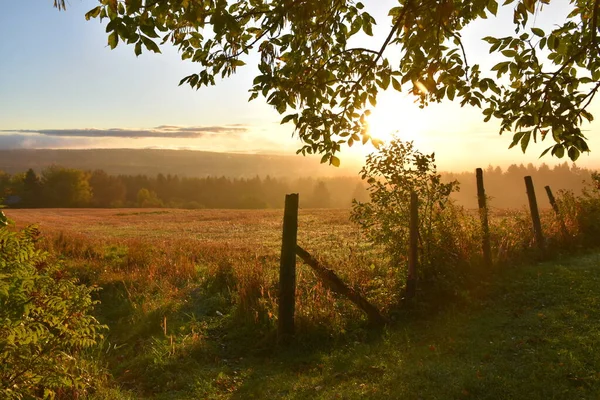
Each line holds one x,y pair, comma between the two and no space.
200,287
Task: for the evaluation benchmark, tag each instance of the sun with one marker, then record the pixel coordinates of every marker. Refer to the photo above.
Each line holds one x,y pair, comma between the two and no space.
398,116
385,123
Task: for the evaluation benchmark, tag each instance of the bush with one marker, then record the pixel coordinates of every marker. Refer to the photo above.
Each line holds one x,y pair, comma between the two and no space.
392,174
45,322
582,213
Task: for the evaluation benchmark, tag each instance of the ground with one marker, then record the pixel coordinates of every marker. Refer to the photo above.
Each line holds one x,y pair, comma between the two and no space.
529,331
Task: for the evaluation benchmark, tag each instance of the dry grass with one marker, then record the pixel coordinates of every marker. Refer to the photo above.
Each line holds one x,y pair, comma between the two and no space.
186,290
255,231
163,256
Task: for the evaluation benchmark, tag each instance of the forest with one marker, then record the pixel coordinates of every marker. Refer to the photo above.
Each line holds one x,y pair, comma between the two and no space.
62,187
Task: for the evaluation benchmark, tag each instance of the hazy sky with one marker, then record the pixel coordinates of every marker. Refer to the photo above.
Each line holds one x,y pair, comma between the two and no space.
62,87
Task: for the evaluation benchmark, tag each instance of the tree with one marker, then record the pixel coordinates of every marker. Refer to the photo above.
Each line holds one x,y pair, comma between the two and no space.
32,189
107,190
65,187
392,174
148,198
321,197
311,71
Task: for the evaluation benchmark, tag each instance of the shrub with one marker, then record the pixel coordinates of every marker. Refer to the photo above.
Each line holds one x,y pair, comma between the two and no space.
45,322
582,213
392,174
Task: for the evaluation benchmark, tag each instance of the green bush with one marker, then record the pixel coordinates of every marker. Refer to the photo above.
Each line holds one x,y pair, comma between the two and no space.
393,173
45,322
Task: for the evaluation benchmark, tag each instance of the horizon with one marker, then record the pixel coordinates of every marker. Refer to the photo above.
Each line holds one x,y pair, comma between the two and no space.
350,169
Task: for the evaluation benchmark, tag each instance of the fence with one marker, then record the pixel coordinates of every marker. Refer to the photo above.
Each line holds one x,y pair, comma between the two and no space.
290,249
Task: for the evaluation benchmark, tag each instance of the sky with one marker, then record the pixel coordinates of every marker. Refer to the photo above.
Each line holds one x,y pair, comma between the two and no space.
62,87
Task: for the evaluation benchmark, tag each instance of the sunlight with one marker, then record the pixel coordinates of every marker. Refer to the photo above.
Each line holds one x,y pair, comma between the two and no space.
385,123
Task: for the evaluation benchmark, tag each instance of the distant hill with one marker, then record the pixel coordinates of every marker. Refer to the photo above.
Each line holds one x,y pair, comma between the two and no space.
181,162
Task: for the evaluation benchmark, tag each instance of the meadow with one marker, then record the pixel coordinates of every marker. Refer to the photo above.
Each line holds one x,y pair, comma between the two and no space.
190,299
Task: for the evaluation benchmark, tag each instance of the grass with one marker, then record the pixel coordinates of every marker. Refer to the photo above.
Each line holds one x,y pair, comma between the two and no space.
189,297
534,334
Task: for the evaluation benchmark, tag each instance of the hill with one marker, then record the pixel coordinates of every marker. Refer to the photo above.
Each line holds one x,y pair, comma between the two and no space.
180,162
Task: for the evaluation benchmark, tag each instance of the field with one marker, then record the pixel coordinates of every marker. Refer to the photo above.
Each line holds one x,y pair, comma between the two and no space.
245,230
190,300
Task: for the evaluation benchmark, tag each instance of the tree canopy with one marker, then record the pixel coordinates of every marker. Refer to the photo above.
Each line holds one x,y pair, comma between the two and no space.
312,71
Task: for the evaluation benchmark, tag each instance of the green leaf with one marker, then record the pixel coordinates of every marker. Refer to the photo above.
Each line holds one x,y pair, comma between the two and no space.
385,81
538,32
335,161
373,100
516,139
113,40
558,151
451,91
149,31
138,48
150,45
288,118
525,141
574,154
93,13
546,151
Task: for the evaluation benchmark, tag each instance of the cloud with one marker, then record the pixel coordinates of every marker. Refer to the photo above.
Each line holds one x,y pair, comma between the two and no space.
27,141
162,131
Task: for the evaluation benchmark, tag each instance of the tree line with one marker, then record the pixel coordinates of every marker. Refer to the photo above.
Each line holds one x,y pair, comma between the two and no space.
506,188
58,186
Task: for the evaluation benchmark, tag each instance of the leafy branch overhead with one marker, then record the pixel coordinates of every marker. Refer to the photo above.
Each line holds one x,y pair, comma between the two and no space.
311,71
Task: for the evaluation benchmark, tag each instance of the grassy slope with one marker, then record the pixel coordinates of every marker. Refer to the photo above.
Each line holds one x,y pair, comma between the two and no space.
536,335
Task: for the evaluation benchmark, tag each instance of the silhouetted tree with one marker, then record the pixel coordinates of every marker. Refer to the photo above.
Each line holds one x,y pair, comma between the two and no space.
107,190
32,189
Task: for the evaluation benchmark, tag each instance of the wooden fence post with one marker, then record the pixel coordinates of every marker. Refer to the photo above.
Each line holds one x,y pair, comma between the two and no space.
561,221
287,269
483,216
535,214
411,281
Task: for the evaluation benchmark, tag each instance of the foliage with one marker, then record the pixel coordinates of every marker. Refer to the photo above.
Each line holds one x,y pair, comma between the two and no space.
107,190
66,187
393,173
45,322
582,213
148,198
312,70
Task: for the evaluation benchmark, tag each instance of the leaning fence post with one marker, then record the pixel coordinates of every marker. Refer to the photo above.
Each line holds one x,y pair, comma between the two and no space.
483,216
535,214
287,269
561,221
411,281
